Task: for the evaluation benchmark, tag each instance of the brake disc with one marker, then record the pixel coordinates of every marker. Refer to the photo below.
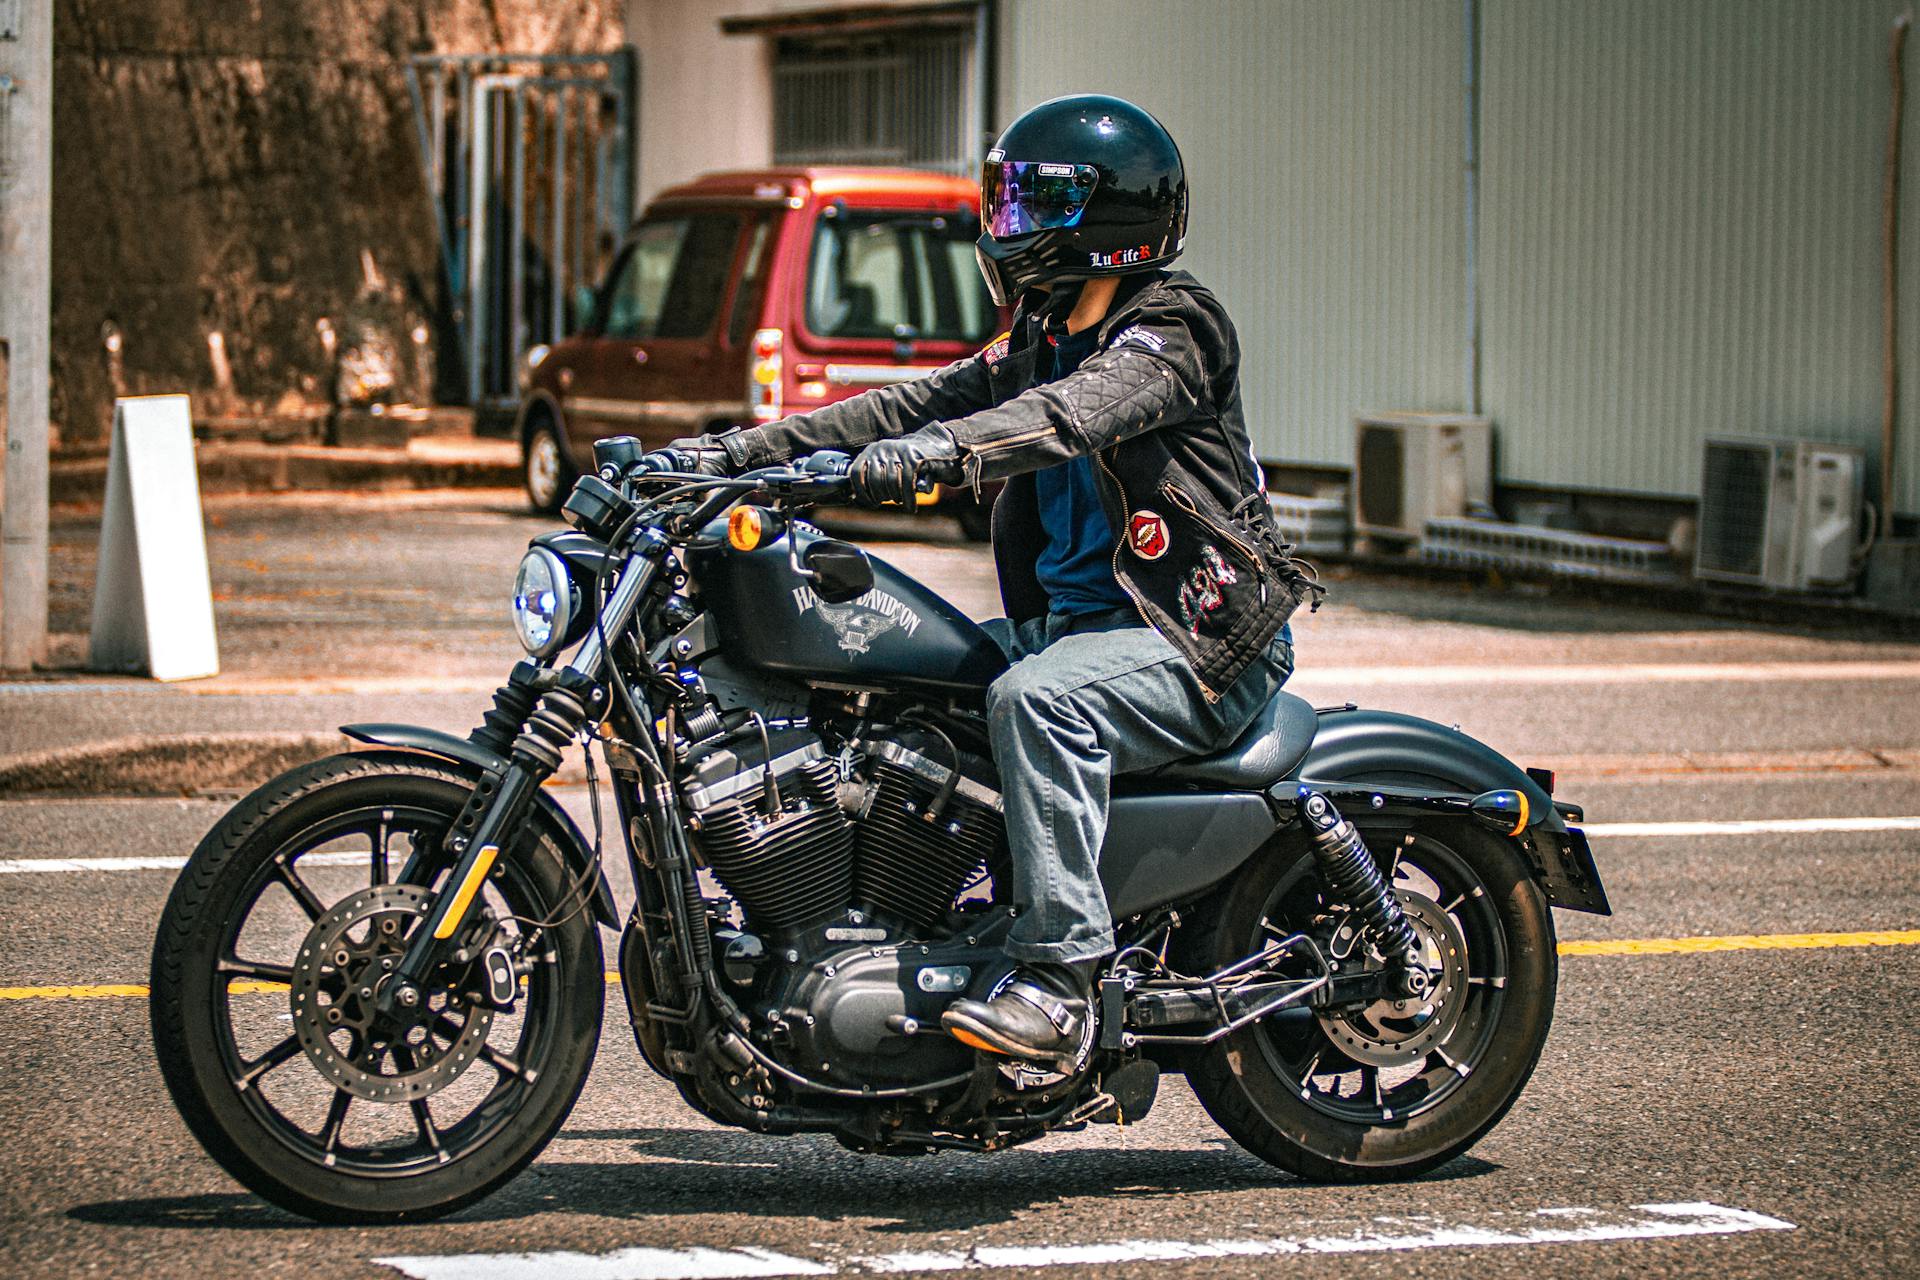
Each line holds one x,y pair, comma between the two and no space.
1398,1033
345,959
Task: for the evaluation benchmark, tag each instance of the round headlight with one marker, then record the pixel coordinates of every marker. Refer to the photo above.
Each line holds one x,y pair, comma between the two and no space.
544,602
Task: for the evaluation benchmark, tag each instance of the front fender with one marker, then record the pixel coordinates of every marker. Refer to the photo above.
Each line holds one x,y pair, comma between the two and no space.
1385,748
478,759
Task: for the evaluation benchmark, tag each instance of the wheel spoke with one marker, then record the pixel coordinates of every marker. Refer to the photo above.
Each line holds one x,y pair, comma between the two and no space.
231,967
267,1061
507,1065
423,1121
309,901
336,1116
1496,981
382,832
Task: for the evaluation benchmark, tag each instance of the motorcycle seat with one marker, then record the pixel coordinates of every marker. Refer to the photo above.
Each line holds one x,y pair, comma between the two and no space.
1266,751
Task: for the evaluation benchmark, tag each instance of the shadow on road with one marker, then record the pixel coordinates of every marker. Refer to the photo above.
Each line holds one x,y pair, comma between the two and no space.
704,1171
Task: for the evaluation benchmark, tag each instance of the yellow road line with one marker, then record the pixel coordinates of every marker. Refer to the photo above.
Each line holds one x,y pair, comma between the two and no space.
1740,942
1600,947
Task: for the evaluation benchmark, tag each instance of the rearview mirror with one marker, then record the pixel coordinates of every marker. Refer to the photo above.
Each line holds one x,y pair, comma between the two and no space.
841,571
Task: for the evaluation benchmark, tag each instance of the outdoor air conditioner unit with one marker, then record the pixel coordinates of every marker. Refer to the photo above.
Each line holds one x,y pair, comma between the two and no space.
1409,468
1781,513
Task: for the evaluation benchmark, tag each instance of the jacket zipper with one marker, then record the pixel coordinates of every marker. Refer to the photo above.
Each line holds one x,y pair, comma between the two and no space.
1192,508
1119,543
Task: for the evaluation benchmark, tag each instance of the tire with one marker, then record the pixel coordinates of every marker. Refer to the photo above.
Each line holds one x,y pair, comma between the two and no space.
232,882
975,518
1244,1081
544,467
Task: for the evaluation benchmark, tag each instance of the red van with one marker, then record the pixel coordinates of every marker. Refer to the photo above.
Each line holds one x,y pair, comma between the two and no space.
743,297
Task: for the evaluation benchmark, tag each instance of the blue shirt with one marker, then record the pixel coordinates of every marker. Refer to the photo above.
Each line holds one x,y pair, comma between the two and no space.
1076,565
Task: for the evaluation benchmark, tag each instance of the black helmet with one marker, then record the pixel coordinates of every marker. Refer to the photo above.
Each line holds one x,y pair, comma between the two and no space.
1079,187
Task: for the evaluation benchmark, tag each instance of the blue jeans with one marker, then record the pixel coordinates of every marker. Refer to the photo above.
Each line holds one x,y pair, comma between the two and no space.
1087,697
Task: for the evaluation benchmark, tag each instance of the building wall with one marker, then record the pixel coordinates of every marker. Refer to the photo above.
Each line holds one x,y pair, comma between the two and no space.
229,175
706,99
1679,213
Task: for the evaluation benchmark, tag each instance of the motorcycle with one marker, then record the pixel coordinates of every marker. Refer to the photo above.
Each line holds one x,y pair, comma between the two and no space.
378,983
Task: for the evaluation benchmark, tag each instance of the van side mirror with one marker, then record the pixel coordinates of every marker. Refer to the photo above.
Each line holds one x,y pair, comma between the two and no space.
840,570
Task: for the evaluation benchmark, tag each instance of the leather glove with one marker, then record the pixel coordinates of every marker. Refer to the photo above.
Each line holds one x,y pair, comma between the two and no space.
702,455
891,470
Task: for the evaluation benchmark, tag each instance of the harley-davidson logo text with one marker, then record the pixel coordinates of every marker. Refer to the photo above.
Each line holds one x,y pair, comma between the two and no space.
859,622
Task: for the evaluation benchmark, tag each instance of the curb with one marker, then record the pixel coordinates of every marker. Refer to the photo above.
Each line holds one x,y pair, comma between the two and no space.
163,764
182,764
245,467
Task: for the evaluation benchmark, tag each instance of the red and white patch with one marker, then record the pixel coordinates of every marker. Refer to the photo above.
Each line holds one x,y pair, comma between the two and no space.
1147,535
996,351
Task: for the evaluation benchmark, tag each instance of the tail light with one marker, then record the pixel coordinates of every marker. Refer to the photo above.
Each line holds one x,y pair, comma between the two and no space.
764,375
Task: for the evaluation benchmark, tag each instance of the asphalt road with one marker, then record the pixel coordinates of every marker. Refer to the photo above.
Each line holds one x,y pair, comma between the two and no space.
1772,1082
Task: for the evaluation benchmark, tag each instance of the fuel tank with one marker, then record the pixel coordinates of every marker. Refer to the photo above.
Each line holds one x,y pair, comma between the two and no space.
899,633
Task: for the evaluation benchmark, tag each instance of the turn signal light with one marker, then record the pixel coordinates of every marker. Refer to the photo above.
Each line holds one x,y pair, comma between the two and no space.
746,528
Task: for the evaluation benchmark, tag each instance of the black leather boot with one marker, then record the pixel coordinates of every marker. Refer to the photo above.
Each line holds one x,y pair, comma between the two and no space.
1041,1014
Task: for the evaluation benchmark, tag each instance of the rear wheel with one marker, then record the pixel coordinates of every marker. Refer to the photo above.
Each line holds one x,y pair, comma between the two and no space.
1392,1089
272,946
548,475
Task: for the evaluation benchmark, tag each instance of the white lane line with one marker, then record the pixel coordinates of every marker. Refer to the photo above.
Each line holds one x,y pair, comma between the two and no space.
29,866
1750,827
1594,830
1380,1235
1622,673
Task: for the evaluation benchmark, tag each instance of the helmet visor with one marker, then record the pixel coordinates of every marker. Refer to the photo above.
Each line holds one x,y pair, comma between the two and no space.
1018,196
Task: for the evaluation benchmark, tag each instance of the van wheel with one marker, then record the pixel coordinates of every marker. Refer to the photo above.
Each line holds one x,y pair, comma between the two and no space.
549,476
976,520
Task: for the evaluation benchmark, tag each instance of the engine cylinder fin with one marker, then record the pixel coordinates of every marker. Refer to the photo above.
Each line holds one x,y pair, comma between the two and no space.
789,870
909,868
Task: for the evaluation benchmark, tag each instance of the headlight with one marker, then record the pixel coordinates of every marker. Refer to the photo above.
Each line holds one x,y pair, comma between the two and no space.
545,602
531,361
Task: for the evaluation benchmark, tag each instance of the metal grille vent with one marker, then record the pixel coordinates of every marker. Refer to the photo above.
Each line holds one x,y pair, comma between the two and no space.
1382,475
1733,508
893,98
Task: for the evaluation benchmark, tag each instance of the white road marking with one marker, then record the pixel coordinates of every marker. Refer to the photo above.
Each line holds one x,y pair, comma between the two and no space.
1594,830
1380,1235
1621,673
28,866
1750,827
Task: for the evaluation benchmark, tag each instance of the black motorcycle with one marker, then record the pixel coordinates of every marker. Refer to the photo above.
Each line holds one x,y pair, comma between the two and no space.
378,983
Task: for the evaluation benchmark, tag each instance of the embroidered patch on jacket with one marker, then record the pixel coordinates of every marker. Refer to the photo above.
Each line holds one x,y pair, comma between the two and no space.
996,351
1145,337
1204,591
1147,535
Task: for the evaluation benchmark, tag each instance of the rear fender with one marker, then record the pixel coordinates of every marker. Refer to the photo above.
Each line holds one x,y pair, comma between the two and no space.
1359,748
475,760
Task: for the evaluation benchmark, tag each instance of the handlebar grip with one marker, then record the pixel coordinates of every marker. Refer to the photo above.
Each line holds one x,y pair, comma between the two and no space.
827,462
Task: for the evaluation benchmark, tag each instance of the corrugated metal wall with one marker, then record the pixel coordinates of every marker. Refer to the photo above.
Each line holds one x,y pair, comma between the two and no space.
1323,146
1680,213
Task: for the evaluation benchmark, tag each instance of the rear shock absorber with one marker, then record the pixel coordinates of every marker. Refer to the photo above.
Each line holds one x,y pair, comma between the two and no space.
1353,876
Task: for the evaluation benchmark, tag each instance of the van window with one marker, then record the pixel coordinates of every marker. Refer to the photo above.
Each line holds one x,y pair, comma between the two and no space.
896,275
753,278
669,282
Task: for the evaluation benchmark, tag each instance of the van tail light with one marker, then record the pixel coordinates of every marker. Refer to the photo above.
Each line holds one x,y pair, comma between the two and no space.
764,375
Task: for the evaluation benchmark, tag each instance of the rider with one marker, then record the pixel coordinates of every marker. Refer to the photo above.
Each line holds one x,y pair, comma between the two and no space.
1146,588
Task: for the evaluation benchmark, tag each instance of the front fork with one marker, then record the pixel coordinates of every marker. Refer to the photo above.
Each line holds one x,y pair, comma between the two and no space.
559,705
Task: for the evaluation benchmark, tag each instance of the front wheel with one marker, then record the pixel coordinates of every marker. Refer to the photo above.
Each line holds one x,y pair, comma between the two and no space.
270,950
1391,1089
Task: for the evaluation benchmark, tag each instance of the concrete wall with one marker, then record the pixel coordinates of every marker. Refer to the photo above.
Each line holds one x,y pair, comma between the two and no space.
229,174
1680,213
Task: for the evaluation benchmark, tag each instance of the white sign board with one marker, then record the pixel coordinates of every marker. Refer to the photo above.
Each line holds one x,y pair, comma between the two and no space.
152,599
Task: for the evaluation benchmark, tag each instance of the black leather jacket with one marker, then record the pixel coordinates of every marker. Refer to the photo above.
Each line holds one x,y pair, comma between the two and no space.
1158,407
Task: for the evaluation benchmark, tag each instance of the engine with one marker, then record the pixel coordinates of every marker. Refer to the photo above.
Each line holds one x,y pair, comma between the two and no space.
895,827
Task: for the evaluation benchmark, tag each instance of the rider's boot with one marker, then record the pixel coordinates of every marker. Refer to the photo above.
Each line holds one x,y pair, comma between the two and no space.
1041,1014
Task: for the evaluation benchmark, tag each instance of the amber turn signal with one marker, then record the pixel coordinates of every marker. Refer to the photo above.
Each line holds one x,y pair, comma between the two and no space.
746,527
